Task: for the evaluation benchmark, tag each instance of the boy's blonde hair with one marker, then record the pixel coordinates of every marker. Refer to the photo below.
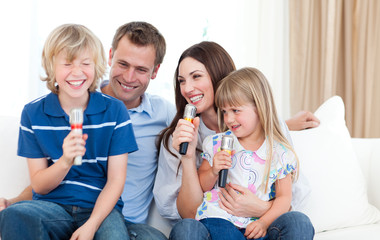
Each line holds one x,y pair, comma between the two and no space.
250,85
73,39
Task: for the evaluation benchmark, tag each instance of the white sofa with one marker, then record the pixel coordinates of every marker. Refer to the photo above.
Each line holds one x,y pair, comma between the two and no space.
359,215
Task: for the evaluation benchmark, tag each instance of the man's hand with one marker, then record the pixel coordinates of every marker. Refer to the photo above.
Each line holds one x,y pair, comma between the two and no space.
4,203
302,120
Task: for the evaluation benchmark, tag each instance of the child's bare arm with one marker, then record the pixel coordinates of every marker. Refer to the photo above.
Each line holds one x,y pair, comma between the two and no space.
281,205
117,172
209,175
43,178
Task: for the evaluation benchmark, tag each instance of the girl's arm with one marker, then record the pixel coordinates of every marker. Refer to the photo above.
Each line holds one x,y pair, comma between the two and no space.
281,205
43,178
107,199
208,175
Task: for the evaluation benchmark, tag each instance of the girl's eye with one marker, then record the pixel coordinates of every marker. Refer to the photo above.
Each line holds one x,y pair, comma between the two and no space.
180,80
235,110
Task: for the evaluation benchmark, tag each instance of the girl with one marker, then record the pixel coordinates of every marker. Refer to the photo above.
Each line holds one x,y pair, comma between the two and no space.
263,160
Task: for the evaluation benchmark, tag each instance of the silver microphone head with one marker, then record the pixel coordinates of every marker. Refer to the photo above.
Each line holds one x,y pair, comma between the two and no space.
190,111
76,116
227,142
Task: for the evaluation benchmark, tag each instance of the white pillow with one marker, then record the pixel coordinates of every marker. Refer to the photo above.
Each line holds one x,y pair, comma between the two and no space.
338,195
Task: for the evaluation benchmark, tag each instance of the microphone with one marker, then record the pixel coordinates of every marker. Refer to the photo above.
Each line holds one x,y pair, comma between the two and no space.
76,122
227,145
189,115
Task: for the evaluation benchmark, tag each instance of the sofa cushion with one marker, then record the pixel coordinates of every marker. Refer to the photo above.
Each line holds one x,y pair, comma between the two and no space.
338,198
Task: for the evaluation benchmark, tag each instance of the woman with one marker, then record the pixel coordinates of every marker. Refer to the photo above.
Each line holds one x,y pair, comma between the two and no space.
177,189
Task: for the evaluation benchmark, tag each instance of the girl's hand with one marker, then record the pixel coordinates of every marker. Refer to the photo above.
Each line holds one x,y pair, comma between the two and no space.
221,160
256,229
85,232
73,145
186,131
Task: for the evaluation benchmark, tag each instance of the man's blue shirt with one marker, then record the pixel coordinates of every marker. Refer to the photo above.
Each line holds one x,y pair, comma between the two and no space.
149,119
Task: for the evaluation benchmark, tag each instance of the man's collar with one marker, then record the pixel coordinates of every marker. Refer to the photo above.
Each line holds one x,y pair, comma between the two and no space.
145,105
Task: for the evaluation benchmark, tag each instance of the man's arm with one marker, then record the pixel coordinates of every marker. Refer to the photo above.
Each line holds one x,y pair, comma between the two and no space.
302,120
26,194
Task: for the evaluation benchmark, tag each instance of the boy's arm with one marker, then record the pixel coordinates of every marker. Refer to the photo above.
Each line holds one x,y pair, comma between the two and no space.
107,199
45,178
281,205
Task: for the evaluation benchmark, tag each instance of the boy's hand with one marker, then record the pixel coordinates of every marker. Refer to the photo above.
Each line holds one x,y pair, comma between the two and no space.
85,232
256,229
221,160
73,145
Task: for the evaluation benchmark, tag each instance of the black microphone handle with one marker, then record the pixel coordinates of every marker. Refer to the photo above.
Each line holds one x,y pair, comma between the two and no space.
183,148
223,177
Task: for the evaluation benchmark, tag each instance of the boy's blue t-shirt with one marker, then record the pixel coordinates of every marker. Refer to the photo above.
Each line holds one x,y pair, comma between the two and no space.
44,125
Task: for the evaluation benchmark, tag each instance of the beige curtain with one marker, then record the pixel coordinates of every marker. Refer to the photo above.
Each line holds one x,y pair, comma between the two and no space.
335,50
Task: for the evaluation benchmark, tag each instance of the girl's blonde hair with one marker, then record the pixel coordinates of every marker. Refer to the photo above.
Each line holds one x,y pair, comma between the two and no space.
250,85
73,39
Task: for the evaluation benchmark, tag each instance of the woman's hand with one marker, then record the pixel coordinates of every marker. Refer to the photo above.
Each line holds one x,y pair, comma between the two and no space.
240,201
186,131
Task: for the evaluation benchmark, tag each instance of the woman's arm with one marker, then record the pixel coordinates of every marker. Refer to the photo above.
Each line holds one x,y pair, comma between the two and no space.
107,199
190,194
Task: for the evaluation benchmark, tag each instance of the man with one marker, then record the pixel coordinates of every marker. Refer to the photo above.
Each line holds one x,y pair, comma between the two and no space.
138,49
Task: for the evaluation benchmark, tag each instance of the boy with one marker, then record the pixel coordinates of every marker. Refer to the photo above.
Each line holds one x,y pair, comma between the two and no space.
86,197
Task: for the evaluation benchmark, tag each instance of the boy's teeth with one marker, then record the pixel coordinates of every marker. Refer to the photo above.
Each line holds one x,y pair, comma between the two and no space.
76,83
197,98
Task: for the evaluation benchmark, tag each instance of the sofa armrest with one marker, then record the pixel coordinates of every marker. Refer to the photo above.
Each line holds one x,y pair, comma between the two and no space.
368,154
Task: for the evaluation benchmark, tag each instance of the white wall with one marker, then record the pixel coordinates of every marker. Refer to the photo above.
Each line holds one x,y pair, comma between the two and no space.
253,32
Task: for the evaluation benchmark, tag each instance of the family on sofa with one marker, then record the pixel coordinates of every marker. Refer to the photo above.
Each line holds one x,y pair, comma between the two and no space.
137,51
